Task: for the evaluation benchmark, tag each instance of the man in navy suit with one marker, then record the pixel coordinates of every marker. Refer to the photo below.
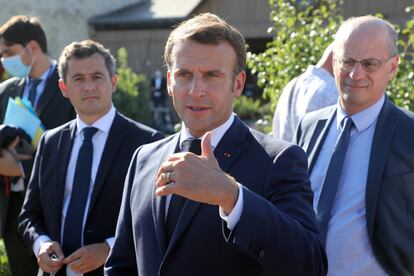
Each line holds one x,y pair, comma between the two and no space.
369,230
23,47
245,197
87,78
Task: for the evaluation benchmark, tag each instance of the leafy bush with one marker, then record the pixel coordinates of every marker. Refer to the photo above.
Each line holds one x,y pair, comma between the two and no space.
246,108
4,264
300,35
400,89
301,32
132,95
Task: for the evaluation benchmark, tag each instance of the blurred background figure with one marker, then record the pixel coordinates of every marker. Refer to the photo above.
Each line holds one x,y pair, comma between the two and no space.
312,90
160,111
24,51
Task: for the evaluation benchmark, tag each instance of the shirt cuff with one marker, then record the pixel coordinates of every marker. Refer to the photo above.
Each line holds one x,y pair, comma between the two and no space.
22,170
38,242
110,241
233,218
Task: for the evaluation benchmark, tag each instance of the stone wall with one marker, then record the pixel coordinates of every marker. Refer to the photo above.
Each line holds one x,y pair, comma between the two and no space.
63,21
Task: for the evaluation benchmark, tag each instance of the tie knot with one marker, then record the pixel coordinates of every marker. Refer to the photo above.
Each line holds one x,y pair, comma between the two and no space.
192,145
35,82
346,123
88,132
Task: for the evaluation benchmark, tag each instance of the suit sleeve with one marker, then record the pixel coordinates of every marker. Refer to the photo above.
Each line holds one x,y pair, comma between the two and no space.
279,230
121,259
31,220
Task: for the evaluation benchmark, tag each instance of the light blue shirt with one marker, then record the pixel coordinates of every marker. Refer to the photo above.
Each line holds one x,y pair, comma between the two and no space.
42,84
347,245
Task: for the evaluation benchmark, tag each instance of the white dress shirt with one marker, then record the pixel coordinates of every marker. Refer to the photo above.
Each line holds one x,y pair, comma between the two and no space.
98,140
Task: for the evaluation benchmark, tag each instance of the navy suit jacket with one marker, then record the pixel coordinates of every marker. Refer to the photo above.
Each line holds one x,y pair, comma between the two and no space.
389,198
42,208
276,233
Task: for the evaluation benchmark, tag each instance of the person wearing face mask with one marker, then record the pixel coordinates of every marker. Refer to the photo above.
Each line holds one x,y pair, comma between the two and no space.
23,47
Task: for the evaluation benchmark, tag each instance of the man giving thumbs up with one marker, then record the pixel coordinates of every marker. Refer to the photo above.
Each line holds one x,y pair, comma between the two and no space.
217,198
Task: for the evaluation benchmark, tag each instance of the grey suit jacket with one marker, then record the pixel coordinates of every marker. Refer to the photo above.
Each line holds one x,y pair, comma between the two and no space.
390,184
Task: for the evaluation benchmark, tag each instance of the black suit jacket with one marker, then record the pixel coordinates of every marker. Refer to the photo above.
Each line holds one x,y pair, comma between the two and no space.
276,233
390,184
42,209
53,110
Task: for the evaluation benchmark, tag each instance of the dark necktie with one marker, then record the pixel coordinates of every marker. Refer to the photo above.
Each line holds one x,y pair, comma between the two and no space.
177,202
33,83
333,174
72,233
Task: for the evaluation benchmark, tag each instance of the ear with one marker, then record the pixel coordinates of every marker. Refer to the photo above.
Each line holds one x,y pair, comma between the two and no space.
238,84
169,83
393,69
33,47
114,81
63,88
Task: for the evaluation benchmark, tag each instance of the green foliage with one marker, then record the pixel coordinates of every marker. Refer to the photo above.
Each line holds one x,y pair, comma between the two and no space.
301,32
4,264
400,89
246,108
132,95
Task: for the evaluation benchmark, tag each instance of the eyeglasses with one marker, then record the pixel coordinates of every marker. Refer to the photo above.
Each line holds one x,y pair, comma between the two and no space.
369,64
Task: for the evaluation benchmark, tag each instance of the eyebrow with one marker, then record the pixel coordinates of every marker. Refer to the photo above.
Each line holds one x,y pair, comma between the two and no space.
82,74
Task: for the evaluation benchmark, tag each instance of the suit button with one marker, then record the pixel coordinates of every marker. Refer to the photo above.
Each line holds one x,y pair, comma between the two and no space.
261,253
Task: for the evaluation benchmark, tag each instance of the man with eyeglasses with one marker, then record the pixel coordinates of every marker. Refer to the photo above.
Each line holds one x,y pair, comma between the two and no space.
361,158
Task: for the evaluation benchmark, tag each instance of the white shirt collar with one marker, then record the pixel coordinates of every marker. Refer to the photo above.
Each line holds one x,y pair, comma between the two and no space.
216,134
102,124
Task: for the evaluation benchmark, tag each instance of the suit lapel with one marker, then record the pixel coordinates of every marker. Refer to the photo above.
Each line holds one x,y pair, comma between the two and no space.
381,142
49,93
229,148
226,152
158,202
64,151
116,136
318,137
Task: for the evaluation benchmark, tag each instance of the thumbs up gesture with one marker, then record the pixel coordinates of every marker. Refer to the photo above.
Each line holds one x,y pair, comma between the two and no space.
198,178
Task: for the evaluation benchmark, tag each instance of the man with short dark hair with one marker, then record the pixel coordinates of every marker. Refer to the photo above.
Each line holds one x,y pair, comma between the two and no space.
74,195
23,47
217,198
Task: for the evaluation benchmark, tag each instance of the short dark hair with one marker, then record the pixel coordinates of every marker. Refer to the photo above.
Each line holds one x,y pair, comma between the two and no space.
22,29
85,49
208,28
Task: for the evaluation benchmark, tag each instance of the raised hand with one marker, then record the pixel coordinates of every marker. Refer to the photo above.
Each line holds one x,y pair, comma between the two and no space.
198,178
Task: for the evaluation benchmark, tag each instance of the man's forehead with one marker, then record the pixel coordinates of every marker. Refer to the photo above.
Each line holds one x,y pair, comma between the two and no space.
9,49
208,57
83,67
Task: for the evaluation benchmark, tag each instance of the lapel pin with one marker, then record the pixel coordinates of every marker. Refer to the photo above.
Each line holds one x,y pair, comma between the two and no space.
226,154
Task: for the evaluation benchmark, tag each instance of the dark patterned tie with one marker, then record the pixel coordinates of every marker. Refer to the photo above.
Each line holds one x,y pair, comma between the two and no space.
333,174
177,202
72,233
33,83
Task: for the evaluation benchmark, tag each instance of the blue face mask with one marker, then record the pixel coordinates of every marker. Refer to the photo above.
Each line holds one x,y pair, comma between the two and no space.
15,66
